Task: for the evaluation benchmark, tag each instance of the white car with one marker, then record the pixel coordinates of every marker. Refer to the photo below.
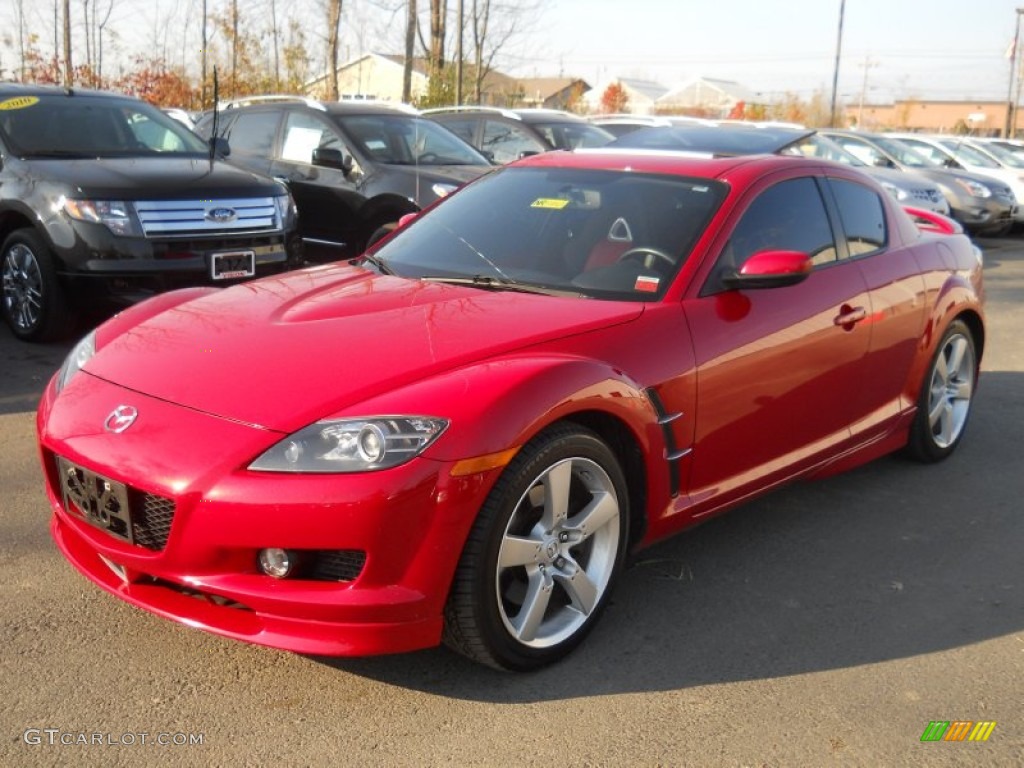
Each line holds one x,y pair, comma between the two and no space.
958,152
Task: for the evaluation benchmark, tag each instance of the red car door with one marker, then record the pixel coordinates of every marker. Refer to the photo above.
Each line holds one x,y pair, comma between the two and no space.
779,370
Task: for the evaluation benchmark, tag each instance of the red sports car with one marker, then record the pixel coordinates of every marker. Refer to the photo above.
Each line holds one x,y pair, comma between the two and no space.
462,436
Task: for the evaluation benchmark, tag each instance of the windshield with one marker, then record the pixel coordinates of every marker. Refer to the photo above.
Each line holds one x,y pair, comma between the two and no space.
601,234
92,126
1005,156
824,148
968,155
905,155
572,135
408,140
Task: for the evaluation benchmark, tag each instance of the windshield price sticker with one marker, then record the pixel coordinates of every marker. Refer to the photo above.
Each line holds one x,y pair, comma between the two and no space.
549,202
19,102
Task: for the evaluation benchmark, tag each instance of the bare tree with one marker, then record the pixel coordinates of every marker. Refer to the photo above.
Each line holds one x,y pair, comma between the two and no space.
333,33
494,25
68,65
438,31
411,25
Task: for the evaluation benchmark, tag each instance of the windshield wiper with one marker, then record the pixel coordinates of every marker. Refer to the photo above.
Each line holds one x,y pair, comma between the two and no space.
492,283
383,268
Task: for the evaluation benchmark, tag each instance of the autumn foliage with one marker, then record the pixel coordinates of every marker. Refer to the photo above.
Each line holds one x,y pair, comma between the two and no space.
614,99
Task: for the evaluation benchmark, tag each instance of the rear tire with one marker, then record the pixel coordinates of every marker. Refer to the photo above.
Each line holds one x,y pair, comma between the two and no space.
540,562
947,394
33,301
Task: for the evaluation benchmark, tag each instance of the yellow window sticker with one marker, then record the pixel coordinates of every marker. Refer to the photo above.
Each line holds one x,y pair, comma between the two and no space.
549,202
19,102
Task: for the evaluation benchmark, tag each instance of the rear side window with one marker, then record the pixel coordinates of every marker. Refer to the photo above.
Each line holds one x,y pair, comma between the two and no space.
253,133
862,215
506,141
463,127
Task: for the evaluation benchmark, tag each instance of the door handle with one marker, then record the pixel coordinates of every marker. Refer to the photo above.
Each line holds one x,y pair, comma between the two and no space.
849,316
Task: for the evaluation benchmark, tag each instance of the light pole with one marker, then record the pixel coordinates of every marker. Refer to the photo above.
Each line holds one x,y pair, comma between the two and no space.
835,72
1011,103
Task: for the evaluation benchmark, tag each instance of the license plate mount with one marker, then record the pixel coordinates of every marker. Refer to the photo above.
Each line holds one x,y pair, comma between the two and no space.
231,265
97,500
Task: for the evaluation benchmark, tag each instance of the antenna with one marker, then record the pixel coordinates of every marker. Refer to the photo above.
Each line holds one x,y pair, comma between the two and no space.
216,111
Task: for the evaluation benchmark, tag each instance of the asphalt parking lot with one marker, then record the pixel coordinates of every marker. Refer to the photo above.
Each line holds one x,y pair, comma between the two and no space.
826,624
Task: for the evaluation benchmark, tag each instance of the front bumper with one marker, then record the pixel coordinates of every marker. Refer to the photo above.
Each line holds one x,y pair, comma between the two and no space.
408,524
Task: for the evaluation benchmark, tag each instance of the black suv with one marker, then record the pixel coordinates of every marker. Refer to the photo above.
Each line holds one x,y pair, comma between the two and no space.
354,168
105,198
505,135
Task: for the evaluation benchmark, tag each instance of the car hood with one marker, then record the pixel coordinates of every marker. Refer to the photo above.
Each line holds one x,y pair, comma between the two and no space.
152,178
283,352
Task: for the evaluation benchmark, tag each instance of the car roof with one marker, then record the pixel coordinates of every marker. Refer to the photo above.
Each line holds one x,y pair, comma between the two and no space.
346,107
733,139
525,114
691,164
21,89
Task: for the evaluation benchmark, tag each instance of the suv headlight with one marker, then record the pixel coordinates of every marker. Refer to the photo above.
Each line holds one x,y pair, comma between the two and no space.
117,215
897,192
286,210
974,188
352,445
80,354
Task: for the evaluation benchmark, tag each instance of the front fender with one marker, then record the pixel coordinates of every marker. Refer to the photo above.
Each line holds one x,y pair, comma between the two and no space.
502,403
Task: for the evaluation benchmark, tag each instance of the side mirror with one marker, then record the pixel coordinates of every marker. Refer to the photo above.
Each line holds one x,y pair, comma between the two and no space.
332,158
770,269
951,162
881,161
220,145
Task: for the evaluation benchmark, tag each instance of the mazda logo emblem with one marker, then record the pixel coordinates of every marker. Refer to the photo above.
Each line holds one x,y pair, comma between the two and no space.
120,419
221,215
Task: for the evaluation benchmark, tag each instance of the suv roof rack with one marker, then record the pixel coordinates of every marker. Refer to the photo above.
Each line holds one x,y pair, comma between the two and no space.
244,101
471,108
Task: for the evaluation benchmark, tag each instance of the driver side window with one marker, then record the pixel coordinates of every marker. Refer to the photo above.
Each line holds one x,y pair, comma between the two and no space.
789,216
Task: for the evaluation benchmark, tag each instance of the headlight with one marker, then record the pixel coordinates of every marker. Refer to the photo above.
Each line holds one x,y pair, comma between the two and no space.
352,445
79,356
974,188
116,215
286,210
443,190
896,192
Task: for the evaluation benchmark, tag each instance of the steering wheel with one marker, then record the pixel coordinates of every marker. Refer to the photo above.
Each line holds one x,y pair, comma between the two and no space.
427,157
648,256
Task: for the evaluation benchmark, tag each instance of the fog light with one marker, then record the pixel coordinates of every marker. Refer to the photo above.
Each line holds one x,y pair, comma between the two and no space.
277,562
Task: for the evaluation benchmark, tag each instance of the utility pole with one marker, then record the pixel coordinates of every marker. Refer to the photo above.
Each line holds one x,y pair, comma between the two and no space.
1011,103
835,72
868,64
69,70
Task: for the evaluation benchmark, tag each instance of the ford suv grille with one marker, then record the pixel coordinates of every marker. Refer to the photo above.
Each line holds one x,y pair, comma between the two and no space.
161,218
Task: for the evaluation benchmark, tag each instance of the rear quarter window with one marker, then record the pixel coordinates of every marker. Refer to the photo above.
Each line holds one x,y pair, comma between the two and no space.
862,215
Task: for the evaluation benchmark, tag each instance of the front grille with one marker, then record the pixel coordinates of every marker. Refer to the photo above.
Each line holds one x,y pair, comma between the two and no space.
335,565
152,516
929,195
184,217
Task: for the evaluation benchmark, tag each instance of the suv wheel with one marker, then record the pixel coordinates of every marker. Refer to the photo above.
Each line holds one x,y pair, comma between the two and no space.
33,303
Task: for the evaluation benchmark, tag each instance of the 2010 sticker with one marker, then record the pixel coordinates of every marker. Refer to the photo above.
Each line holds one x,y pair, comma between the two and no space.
19,102
549,202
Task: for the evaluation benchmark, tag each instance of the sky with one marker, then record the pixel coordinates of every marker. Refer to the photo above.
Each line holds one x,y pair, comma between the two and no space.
935,49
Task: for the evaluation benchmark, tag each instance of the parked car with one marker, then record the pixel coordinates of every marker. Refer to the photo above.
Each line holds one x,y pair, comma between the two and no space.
354,168
585,353
505,135
740,138
621,124
954,152
981,204
105,199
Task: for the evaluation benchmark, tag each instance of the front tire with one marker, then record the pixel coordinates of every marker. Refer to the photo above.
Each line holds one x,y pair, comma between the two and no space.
33,303
543,554
947,394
